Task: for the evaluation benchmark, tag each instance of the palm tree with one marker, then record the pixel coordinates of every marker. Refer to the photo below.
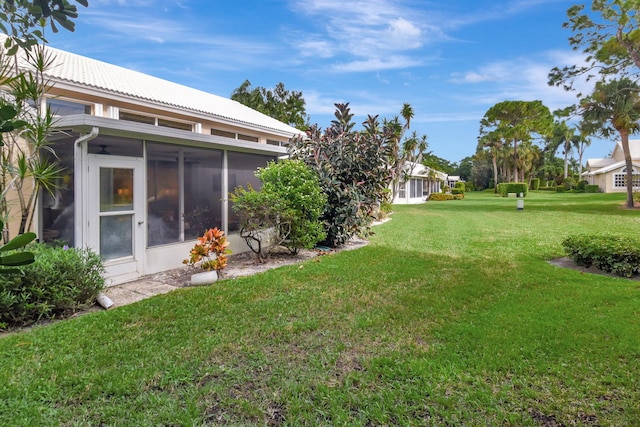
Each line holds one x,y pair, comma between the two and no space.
614,107
582,142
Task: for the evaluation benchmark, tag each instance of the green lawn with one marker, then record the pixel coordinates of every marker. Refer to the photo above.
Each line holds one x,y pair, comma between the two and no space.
450,316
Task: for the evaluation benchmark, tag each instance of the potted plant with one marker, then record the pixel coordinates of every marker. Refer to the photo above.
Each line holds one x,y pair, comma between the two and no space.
210,252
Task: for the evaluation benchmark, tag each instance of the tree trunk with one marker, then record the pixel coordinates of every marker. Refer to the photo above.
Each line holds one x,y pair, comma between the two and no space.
515,159
624,139
495,173
566,159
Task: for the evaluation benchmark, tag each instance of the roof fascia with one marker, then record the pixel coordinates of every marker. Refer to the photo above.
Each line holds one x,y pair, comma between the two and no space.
84,123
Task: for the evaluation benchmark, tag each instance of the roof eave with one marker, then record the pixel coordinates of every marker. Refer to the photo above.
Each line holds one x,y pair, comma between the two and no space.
84,123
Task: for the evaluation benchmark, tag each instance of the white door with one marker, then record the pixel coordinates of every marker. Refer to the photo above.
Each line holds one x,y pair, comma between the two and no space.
116,214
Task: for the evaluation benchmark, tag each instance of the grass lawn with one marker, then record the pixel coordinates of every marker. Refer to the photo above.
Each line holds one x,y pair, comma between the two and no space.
450,316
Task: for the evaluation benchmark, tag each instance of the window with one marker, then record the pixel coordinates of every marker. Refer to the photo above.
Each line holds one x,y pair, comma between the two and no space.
223,133
278,143
416,188
175,125
402,192
620,179
201,193
138,118
61,107
163,205
247,137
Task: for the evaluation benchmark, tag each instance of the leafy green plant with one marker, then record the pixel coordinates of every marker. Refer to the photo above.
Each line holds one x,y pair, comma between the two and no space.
9,254
302,199
259,212
353,168
591,188
210,251
513,187
615,254
61,281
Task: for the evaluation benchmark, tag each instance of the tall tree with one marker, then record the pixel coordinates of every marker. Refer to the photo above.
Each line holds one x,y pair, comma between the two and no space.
563,135
491,143
608,35
517,121
615,107
279,103
582,142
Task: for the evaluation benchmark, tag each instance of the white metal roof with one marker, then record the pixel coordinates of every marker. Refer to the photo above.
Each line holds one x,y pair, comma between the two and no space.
83,72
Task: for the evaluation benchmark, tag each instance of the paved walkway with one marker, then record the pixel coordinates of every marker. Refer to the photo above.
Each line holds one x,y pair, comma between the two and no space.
130,292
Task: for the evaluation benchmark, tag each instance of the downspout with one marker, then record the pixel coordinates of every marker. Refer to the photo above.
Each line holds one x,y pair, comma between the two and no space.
79,184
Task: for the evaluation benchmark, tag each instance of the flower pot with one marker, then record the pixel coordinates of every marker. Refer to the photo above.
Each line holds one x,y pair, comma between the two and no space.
204,278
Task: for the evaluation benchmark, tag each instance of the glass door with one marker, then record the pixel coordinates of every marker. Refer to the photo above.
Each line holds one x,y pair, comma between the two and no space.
116,214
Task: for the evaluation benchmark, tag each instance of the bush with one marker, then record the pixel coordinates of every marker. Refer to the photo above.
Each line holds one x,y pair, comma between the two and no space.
460,186
290,203
569,183
591,188
60,282
619,255
457,191
354,169
582,184
469,186
298,187
513,187
441,197
535,184
560,189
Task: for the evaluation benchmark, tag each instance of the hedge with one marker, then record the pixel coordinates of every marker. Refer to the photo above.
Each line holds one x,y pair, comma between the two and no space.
440,197
505,188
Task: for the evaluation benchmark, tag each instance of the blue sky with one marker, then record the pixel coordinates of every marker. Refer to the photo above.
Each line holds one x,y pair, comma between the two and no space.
451,60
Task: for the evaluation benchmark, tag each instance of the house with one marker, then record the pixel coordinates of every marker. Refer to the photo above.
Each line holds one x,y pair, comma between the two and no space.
609,173
421,182
148,164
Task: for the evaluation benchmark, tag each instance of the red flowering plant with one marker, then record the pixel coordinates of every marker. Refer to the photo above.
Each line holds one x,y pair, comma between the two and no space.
210,251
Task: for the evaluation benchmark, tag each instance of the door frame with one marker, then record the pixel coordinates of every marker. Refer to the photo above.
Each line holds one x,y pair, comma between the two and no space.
125,268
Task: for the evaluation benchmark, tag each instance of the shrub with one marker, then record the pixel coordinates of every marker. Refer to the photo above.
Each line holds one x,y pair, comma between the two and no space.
460,187
469,186
61,281
457,191
591,188
354,169
257,211
441,197
513,187
560,189
569,183
582,184
298,187
535,184
290,202
615,254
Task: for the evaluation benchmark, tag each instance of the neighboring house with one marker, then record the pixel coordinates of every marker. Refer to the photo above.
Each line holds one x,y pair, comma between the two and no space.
148,164
610,173
422,182
452,179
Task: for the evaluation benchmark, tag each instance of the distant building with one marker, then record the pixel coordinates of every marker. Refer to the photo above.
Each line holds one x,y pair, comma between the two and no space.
609,173
422,182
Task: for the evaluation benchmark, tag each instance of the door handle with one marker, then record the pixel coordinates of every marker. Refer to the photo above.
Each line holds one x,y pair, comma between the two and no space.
140,222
